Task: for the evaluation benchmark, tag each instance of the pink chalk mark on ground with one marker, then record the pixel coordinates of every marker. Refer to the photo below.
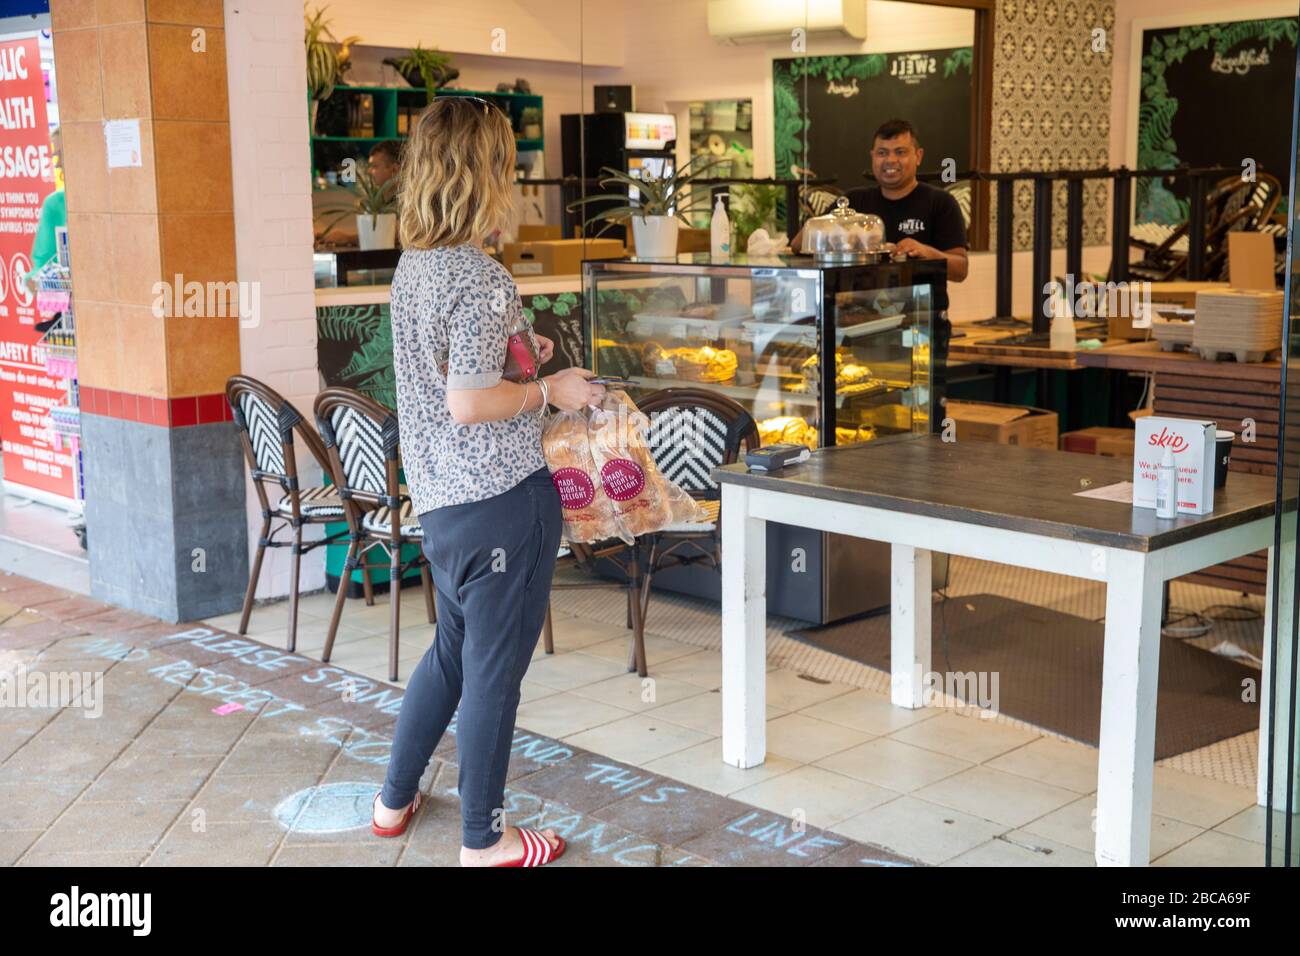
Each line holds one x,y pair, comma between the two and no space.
227,709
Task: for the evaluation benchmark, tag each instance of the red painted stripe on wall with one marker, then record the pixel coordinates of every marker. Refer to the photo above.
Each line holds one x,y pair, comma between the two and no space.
164,412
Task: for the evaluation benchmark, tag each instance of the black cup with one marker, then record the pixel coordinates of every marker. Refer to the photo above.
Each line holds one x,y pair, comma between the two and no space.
1222,455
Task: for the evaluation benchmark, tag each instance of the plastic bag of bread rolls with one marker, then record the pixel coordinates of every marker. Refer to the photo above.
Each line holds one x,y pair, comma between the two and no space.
588,513
643,499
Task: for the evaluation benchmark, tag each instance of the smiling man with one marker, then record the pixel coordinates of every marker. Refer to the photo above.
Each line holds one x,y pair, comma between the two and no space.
923,221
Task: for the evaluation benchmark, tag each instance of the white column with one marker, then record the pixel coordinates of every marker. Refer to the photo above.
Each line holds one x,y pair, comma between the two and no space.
744,631
909,624
266,74
1128,708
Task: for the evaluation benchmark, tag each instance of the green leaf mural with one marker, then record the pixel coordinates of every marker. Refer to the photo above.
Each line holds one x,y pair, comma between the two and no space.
1156,146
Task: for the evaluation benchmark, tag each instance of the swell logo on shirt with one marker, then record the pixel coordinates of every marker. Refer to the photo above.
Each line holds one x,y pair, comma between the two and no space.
910,227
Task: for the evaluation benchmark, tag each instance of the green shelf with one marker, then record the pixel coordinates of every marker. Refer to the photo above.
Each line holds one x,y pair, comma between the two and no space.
388,100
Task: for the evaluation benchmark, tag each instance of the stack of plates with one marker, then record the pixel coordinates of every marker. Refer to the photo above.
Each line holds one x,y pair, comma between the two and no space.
1172,334
1246,324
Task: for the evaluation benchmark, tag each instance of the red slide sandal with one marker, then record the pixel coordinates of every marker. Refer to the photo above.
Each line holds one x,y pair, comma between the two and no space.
537,849
398,829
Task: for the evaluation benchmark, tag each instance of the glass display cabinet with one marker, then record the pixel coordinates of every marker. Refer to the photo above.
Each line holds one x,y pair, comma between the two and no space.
761,331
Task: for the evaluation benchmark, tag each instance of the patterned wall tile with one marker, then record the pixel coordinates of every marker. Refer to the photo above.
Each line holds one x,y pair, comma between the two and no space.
1051,104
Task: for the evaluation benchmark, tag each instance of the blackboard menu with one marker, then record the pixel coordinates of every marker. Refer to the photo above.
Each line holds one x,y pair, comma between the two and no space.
832,105
1212,95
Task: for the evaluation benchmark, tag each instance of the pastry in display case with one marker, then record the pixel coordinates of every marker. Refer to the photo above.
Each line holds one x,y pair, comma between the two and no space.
761,332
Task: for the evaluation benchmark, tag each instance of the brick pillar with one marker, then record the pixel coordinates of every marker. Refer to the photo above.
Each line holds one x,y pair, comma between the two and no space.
165,511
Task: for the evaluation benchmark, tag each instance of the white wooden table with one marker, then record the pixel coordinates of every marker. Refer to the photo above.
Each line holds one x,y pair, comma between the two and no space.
997,503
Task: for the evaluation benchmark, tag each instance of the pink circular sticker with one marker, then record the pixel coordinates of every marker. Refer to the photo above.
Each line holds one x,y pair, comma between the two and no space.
622,479
575,488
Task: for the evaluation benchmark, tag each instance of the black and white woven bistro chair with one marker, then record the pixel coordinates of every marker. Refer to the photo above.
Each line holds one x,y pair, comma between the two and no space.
267,424
692,431
361,440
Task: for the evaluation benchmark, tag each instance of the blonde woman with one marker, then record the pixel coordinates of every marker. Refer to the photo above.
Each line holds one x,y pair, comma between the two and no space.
471,447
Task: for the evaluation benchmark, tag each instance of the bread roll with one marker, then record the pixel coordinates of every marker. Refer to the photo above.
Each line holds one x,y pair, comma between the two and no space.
588,513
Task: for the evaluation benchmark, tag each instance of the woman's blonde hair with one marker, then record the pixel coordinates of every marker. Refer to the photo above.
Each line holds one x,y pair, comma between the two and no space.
457,166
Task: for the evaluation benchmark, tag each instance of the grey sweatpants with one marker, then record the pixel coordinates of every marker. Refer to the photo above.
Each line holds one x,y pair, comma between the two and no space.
492,562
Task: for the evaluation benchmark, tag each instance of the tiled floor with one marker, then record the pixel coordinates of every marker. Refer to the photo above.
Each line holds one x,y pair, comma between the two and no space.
940,786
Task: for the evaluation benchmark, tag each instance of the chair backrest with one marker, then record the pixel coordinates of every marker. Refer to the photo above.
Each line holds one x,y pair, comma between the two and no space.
692,431
361,440
267,422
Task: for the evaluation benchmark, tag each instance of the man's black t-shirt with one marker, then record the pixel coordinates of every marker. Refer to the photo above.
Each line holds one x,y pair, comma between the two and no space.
926,214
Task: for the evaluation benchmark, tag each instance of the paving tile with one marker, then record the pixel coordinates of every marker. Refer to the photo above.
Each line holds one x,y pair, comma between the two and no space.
277,751
14,843
807,739
147,776
135,827
49,759
1075,825
702,712
1199,801
1000,797
572,633
657,649
817,796
637,739
967,738
382,852
1049,760
218,844
529,692
703,668
16,589
892,764
589,782
29,629
111,618
633,693
76,860
240,798
70,608
1249,824
672,813
864,854
564,713
1214,849
29,804
574,669
920,830
868,712
1018,848
758,838
788,690
703,767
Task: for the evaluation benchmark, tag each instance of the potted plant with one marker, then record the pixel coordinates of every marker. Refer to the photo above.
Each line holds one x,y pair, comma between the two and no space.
325,56
661,206
427,68
752,207
530,123
373,204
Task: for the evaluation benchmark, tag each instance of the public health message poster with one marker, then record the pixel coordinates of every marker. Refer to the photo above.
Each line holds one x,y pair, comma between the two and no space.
26,177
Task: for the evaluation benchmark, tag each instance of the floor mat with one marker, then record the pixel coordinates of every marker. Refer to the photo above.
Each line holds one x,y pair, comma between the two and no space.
1048,670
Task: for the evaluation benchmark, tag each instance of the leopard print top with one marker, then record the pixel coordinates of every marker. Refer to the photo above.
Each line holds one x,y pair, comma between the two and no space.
456,302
